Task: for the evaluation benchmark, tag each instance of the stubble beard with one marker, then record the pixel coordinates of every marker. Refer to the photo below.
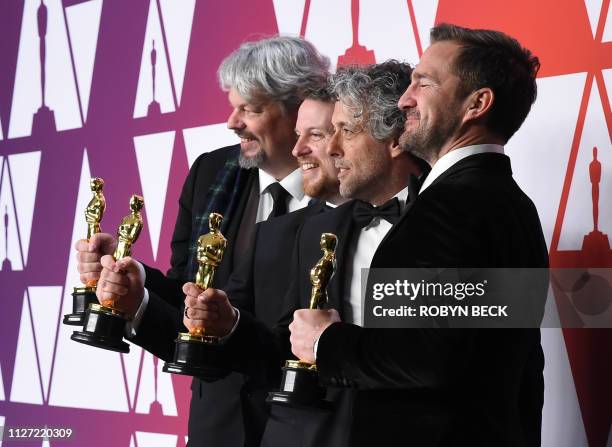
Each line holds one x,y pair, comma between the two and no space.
361,184
426,142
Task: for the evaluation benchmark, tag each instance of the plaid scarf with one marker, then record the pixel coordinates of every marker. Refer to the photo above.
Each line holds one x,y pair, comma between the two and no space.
222,197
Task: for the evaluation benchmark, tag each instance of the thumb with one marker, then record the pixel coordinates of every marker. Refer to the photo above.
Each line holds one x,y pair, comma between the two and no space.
108,262
103,243
128,265
335,316
213,295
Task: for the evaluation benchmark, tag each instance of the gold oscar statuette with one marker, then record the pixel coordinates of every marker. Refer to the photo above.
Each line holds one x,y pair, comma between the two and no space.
299,384
195,350
211,247
82,297
127,233
104,324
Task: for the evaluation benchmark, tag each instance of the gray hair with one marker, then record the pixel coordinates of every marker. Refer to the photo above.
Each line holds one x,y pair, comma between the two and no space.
372,93
278,68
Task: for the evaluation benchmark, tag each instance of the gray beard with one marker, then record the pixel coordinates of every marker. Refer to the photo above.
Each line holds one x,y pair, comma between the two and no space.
252,162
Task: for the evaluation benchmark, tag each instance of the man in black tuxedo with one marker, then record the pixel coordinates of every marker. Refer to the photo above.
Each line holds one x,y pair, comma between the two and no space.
246,183
470,92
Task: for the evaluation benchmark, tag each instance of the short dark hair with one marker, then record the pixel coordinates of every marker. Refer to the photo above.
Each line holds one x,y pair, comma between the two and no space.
321,92
495,60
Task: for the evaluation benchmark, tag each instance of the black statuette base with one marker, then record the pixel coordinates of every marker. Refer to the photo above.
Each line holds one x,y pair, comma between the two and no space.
102,330
195,358
82,297
299,388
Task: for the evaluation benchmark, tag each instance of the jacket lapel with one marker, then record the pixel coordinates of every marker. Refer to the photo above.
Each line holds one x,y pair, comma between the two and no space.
493,161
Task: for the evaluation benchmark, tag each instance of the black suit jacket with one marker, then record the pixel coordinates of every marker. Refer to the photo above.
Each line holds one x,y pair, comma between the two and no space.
255,288
436,387
216,409
259,351
446,387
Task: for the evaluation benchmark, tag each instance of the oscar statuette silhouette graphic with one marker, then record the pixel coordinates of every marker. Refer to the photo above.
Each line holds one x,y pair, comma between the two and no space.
195,351
6,262
595,241
357,54
154,108
44,119
104,324
581,285
300,381
82,297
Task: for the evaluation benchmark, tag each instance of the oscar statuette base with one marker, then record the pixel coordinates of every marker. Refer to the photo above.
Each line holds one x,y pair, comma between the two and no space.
299,387
196,355
103,328
82,297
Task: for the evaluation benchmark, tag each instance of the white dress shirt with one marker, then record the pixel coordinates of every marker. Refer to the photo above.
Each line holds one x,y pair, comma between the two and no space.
456,155
362,253
292,184
367,242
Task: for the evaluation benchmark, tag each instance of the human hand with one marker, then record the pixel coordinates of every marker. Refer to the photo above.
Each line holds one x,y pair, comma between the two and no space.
121,284
209,309
89,254
306,328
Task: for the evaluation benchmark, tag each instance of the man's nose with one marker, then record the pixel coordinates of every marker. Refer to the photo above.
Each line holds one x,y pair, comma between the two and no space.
301,147
234,121
333,148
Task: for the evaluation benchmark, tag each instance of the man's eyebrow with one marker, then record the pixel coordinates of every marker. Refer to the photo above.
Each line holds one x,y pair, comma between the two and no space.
419,75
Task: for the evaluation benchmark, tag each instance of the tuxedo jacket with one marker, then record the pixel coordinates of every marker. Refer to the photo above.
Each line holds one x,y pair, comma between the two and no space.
215,416
430,387
256,288
260,351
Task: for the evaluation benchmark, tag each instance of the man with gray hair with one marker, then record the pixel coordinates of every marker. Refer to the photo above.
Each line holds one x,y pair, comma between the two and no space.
246,183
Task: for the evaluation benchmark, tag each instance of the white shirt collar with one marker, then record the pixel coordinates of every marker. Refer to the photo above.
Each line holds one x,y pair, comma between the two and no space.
402,196
454,156
292,183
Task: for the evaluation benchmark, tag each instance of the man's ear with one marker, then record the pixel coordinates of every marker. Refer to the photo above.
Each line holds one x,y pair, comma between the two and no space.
394,147
478,104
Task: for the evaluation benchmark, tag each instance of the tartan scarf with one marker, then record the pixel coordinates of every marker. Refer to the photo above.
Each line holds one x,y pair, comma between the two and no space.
222,197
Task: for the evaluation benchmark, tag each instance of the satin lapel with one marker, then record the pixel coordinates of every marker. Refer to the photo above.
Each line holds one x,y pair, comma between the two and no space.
412,196
489,161
497,162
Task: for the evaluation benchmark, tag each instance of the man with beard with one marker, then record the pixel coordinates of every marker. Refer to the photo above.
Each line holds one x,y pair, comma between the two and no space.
469,94
255,289
246,183
374,169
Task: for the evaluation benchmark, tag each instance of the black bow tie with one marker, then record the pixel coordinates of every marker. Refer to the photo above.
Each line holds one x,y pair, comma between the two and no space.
363,212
